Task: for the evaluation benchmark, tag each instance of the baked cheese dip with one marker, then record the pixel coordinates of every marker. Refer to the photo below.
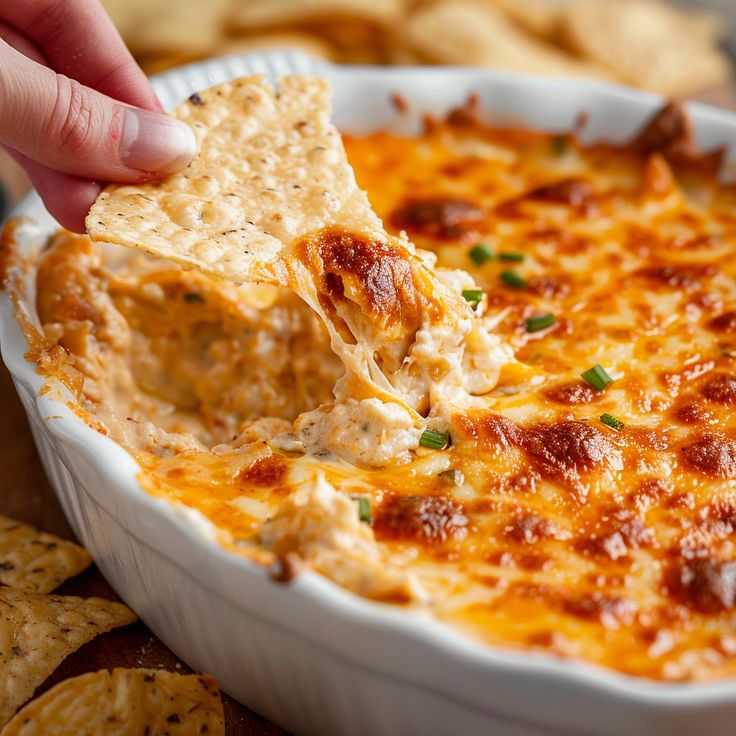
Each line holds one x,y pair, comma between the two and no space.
498,389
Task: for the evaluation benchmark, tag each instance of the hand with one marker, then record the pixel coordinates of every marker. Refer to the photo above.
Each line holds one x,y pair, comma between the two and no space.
75,108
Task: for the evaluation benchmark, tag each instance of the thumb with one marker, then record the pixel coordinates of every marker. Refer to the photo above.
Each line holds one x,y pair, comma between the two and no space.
74,129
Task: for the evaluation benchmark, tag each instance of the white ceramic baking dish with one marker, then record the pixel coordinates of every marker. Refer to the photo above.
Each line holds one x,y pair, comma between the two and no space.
308,655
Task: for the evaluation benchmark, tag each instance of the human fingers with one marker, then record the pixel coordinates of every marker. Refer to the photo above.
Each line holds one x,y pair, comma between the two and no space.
70,128
66,197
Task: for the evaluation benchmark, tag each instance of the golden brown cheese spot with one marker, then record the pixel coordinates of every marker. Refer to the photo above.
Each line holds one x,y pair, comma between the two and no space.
721,389
572,393
712,455
705,585
666,131
490,431
725,322
669,132
469,115
618,532
375,275
686,277
650,492
439,219
692,413
565,449
572,192
530,528
423,519
264,471
611,611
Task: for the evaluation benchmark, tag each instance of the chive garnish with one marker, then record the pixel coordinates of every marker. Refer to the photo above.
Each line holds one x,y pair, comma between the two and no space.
597,377
434,440
539,322
512,279
612,422
480,254
473,296
364,509
511,257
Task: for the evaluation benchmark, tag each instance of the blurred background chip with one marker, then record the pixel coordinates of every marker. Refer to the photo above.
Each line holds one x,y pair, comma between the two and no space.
678,49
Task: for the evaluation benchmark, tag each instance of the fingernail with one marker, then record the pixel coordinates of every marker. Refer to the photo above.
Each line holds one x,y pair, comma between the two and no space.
155,143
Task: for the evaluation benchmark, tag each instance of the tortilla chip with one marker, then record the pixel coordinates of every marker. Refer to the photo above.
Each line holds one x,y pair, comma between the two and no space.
306,42
152,63
540,17
268,13
466,32
157,26
353,40
38,632
647,43
124,702
271,168
34,561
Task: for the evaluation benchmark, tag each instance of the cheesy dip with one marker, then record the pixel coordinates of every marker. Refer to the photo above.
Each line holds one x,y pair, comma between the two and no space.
569,489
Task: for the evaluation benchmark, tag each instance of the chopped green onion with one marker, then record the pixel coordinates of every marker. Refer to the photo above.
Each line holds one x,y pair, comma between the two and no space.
434,440
597,377
611,422
512,279
540,322
364,509
473,296
559,144
192,297
480,254
511,257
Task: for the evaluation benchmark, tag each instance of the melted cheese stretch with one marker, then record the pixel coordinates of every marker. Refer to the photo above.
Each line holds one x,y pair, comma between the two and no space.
541,527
